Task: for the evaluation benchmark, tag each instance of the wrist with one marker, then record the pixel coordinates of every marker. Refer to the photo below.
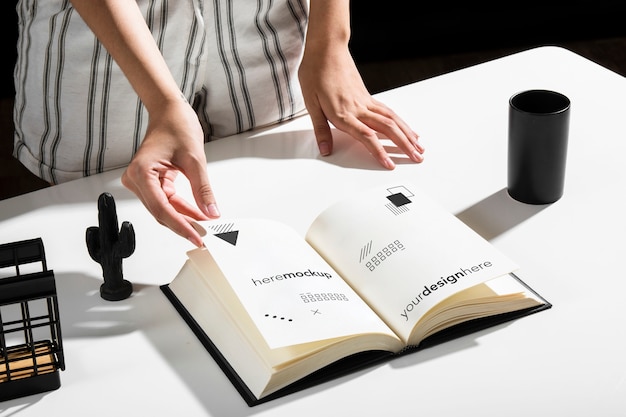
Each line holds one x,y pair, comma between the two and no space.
158,101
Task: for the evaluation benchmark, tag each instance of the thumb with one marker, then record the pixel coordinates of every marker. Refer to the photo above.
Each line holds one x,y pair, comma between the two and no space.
323,133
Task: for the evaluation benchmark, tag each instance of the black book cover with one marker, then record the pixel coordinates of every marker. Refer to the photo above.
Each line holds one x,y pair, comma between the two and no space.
347,365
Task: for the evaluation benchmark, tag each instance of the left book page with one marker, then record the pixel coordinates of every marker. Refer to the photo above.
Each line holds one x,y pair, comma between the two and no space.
290,293
269,309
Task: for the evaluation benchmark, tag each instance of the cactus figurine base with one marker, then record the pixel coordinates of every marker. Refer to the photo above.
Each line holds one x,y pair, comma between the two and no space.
120,292
108,246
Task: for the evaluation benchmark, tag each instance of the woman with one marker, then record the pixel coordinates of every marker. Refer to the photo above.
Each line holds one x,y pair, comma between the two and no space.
144,83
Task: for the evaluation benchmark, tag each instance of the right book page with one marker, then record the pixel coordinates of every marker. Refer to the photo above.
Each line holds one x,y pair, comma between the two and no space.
404,253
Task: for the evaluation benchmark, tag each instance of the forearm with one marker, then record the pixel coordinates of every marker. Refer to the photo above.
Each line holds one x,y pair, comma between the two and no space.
120,26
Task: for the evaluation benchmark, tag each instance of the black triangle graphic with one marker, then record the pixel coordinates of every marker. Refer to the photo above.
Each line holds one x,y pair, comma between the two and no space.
230,237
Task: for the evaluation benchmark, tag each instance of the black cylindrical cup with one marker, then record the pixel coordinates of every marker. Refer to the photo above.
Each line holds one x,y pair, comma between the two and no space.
537,153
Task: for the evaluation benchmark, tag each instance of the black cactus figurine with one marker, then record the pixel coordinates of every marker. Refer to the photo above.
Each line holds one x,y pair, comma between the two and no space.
108,247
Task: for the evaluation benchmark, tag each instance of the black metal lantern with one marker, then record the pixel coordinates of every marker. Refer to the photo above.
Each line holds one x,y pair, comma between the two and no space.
31,350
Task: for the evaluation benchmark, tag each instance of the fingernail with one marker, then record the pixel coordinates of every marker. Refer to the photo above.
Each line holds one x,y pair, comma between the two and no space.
324,148
388,163
416,156
212,210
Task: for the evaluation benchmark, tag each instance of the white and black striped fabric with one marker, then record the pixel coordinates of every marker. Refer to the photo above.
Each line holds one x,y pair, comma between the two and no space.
76,114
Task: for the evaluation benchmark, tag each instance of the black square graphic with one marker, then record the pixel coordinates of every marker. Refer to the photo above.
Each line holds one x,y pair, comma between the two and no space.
398,199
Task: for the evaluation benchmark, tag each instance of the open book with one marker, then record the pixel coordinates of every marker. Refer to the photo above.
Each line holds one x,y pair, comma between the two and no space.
385,272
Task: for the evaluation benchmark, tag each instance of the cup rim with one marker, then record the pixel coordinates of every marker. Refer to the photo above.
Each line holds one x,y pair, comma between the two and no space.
540,101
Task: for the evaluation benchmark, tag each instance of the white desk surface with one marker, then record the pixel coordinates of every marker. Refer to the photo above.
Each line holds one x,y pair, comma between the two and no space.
137,357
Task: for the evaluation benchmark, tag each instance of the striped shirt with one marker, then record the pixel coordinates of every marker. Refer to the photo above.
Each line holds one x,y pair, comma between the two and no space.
76,114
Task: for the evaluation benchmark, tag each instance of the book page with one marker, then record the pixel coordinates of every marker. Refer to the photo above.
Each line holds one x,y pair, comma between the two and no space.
402,252
291,294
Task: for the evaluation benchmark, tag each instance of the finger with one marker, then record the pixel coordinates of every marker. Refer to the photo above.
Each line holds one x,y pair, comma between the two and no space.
183,207
378,107
368,137
158,204
410,133
322,131
168,215
386,122
180,204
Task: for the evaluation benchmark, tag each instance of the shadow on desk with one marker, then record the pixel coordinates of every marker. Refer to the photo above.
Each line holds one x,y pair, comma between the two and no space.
497,213
274,144
84,315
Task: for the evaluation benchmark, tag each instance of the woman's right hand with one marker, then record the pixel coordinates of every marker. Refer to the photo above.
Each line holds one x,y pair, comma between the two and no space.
173,144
